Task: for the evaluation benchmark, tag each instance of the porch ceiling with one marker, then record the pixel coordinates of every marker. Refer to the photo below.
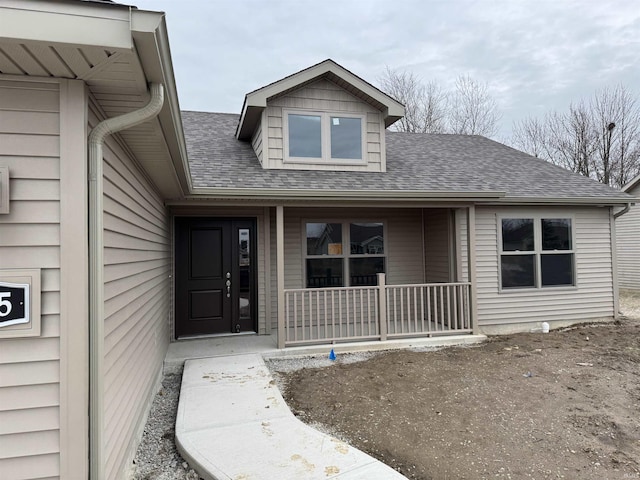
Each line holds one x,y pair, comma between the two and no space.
117,50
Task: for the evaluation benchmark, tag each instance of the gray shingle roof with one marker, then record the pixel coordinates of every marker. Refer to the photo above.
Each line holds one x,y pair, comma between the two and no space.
415,162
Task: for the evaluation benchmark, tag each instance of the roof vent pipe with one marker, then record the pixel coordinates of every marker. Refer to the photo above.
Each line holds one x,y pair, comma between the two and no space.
96,270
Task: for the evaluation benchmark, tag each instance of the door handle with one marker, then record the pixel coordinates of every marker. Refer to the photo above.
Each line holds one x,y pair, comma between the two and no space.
228,288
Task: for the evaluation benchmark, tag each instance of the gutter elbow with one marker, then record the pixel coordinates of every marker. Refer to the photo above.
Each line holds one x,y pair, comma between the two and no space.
623,211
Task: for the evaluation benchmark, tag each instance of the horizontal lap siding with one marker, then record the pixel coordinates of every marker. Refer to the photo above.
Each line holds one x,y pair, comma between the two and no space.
591,298
437,245
322,95
628,244
30,238
136,294
404,246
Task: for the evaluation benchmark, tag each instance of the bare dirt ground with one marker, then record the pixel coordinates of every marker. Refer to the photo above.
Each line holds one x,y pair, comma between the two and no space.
560,405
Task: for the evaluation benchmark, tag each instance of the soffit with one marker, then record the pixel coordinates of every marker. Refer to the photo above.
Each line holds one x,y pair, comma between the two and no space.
113,73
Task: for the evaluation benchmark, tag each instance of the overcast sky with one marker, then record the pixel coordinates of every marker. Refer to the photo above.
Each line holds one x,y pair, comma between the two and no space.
536,55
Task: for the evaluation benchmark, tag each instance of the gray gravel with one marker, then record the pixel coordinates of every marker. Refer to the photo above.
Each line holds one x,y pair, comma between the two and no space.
157,457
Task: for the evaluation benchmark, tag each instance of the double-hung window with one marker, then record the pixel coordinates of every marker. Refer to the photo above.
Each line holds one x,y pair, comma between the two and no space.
322,137
536,252
344,254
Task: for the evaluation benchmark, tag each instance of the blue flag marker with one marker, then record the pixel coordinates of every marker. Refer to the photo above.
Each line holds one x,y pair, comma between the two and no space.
332,355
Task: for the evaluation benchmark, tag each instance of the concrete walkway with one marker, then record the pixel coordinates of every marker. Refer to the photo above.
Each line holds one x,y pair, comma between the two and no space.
233,424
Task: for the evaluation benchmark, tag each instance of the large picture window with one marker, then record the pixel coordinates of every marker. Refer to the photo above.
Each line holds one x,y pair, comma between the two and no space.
323,137
344,254
536,253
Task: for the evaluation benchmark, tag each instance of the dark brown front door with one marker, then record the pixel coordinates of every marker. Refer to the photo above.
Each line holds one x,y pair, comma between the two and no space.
214,276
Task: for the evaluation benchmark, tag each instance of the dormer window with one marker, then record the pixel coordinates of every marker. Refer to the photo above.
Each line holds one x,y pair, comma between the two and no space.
323,137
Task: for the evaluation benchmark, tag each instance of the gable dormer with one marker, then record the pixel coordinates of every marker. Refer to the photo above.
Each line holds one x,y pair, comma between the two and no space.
321,118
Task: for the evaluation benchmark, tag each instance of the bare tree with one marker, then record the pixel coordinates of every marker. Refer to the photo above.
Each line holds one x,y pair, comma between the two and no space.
571,138
473,109
599,139
616,115
530,135
425,105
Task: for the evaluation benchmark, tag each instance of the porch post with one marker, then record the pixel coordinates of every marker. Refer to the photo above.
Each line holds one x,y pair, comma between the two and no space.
280,273
471,265
382,306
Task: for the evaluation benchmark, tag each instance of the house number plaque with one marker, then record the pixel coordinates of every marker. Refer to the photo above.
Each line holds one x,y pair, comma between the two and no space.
20,303
14,303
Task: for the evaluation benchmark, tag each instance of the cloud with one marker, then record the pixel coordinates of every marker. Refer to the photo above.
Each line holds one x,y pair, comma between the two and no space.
535,54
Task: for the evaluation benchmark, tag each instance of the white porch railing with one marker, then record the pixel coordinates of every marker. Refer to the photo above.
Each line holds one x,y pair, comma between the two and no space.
328,315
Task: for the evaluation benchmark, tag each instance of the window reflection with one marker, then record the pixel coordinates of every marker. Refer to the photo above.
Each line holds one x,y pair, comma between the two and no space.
346,138
244,261
556,234
324,239
324,272
517,234
366,238
305,136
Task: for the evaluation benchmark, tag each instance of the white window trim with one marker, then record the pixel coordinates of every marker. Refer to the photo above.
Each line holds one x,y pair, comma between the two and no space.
537,251
346,247
325,138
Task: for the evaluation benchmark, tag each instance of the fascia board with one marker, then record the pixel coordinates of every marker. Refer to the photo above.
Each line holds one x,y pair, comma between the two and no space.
149,32
66,23
259,97
593,201
386,195
483,197
632,184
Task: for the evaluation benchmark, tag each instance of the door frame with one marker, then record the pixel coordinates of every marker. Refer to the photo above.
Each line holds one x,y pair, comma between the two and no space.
235,222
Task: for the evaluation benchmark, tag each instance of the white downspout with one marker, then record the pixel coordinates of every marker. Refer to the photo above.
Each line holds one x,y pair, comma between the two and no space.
96,270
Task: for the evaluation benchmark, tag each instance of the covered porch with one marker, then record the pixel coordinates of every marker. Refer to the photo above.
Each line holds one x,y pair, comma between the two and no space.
411,281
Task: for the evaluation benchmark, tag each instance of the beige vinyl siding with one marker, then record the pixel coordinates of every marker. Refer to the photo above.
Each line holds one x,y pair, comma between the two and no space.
462,244
437,245
326,96
136,294
30,238
241,212
628,245
257,139
404,247
591,298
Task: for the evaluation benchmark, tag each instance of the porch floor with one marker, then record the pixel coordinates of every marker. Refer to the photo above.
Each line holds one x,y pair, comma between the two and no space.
229,403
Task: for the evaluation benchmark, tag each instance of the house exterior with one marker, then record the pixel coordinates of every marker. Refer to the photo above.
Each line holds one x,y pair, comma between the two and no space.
126,224
628,240
66,66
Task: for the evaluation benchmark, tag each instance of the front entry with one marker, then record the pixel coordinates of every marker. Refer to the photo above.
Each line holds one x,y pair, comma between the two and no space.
215,276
